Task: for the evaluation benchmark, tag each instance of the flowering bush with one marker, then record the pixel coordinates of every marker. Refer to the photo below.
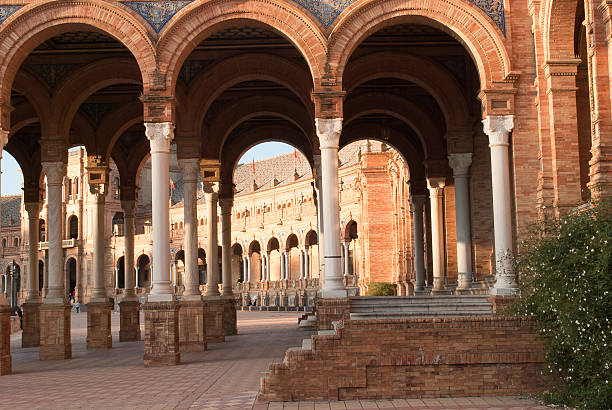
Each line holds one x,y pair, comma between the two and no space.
565,275
381,289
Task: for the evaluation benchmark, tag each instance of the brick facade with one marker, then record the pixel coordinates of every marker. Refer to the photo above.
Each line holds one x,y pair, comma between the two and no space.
412,358
55,341
161,347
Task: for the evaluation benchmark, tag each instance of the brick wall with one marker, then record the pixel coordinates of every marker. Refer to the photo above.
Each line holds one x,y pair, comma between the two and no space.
413,358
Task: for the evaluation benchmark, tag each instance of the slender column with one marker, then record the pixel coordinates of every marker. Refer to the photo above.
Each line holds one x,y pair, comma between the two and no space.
267,267
189,168
345,247
98,192
5,311
320,224
249,268
307,263
328,131
263,267
460,163
55,172
284,266
128,222
226,251
498,128
416,203
436,192
33,210
301,264
212,253
160,135
137,277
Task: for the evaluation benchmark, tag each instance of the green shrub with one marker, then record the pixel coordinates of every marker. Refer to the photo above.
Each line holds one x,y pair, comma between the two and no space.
565,275
381,289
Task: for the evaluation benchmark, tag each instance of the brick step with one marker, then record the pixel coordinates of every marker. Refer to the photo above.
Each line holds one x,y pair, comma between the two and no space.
477,307
410,300
418,315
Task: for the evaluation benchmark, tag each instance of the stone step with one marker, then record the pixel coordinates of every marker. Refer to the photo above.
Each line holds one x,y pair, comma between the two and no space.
307,344
415,315
465,307
418,299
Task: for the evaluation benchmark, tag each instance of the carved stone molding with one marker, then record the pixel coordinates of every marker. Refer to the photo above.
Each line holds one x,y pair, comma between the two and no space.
328,131
55,172
460,163
436,186
160,134
497,128
189,169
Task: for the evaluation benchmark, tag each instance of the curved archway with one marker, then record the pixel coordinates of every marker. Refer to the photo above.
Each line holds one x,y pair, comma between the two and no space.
470,25
198,21
28,27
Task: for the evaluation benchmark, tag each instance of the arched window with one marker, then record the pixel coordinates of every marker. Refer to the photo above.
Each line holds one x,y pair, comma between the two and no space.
3,242
69,183
16,242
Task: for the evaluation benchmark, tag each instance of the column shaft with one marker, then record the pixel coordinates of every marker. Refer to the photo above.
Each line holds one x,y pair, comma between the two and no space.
328,131
129,272
460,164
212,254
226,238
33,210
189,168
99,290
417,202
55,172
436,192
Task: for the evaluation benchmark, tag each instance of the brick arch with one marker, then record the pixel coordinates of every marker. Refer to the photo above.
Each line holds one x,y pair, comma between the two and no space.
346,229
36,92
251,243
559,26
199,20
247,108
411,153
429,133
231,153
464,21
426,73
22,116
95,76
35,23
116,123
270,240
235,70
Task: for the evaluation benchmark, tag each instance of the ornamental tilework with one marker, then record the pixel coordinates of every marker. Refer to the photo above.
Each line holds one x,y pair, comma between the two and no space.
326,11
7,11
157,13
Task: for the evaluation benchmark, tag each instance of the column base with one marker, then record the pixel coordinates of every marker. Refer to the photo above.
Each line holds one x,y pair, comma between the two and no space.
55,331
161,347
30,337
230,325
129,317
332,310
213,320
192,332
5,341
99,325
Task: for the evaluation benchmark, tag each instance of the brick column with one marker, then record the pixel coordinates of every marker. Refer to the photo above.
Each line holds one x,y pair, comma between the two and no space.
98,309
55,311
561,90
161,310
31,308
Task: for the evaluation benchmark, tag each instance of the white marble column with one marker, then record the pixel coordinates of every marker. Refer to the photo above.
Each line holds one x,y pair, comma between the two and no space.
268,267
320,210
211,196
307,263
226,246
248,269
137,278
190,168
129,293
33,210
498,127
301,264
436,198
460,163
98,192
328,131
263,267
416,203
160,136
55,172
345,248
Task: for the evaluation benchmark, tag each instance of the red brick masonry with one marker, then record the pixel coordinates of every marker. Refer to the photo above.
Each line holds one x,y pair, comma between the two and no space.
412,358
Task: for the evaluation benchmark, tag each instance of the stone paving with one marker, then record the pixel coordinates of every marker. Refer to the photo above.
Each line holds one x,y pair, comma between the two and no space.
224,377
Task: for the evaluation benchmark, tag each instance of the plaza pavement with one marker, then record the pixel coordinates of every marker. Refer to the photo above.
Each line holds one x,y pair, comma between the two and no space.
224,377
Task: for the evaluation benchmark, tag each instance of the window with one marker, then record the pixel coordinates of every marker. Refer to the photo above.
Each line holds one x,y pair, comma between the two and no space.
16,242
3,242
116,189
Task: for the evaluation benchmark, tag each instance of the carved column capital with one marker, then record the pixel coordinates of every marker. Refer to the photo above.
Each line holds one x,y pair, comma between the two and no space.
33,209
160,134
460,163
417,201
55,172
189,169
436,186
497,128
129,207
328,131
226,205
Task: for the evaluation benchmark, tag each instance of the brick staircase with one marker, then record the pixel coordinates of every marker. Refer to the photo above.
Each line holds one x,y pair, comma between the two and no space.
384,307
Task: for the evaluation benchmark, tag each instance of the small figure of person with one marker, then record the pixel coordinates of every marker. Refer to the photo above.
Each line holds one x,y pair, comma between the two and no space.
20,314
77,306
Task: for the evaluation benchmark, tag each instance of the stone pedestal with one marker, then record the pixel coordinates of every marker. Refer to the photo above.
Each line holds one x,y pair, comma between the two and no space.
161,347
332,310
5,341
192,332
213,320
30,336
502,302
230,325
55,331
99,325
129,316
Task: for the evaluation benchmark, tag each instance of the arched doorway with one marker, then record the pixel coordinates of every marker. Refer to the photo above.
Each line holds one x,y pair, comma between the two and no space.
71,277
143,272
120,273
73,227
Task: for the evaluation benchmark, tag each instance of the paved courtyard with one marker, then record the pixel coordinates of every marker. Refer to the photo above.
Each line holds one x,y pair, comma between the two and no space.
224,377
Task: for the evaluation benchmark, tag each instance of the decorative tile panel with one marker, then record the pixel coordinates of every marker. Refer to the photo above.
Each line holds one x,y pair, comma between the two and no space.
7,11
157,13
326,11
